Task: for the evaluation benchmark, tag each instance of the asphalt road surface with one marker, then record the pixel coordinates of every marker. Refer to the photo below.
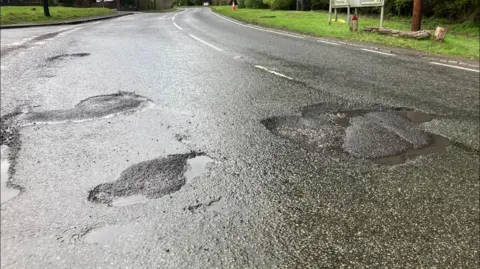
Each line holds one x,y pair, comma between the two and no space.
184,140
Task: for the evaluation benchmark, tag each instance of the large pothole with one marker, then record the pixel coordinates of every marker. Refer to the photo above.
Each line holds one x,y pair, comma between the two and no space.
94,107
150,179
385,135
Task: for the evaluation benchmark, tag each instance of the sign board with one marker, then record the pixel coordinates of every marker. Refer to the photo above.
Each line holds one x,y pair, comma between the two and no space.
357,3
334,4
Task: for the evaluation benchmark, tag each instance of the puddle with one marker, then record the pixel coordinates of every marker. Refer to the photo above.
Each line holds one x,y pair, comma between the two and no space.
130,200
196,167
107,234
102,106
438,144
6,192
384,135
150,179
63,56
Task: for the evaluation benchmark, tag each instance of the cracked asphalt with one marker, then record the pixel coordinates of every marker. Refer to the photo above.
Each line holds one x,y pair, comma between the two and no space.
262,198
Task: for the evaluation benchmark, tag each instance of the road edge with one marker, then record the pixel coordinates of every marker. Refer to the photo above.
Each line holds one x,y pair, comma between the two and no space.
463,61
79,21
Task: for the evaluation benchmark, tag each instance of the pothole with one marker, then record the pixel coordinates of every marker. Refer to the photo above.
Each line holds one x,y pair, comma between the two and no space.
102,106
10,145
196,166
67,56
384,135
7,192
150,179
107,234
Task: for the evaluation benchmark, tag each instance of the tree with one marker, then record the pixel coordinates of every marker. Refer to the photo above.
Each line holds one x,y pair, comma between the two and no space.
46,10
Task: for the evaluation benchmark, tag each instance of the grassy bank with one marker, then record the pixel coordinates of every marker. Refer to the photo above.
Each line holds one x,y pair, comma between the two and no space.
25,14
461,40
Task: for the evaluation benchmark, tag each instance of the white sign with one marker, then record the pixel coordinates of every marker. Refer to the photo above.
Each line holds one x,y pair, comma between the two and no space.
357,3
334,4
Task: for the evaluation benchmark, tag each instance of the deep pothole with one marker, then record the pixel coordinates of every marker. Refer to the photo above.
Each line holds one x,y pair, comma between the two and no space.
10,146
150,179
67,56
101,106
385,135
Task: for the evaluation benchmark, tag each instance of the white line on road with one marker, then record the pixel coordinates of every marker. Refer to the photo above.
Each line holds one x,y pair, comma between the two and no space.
205,42
257,28
379,52
173,18
457,67
328,42
273,72
178,26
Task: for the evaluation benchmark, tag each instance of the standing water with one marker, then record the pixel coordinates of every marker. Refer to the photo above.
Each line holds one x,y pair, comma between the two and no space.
6,193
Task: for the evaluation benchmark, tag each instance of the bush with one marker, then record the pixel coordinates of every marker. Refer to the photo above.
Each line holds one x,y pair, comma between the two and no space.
450,9
254,4
280,4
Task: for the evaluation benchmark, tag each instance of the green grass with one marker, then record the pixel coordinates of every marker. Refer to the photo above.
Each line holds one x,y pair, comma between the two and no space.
462,39
25,14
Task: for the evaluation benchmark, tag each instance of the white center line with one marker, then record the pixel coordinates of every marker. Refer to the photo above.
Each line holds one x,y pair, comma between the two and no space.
206,43
257,28
379,52
173,18
273,72
178,26
457,67
328,42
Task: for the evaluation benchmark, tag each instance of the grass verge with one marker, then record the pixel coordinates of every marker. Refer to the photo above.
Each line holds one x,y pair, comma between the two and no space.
34,14
462,39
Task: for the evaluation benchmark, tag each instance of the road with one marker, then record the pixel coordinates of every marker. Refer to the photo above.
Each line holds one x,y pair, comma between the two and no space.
185,140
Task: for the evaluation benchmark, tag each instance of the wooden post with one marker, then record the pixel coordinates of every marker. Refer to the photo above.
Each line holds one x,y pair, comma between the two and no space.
417,15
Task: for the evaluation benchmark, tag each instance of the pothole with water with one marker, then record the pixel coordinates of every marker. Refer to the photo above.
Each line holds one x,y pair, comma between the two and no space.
151,179
385,135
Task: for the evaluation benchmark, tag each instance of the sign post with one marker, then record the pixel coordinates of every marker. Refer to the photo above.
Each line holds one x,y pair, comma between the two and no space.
334,4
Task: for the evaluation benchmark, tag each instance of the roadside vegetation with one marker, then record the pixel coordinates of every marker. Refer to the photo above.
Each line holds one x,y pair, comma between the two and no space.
462,37
34,14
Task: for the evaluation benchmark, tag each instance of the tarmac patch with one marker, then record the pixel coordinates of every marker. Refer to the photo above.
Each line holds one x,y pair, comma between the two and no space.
151,179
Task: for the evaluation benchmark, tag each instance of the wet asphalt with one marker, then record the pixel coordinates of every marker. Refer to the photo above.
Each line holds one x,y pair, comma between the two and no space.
287,182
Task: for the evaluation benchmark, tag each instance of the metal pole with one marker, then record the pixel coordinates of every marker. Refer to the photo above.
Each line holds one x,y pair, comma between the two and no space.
356,12
417,15
348,15
336,15
329,12
381,17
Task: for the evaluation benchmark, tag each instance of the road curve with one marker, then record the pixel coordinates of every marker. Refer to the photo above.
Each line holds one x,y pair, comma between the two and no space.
99,112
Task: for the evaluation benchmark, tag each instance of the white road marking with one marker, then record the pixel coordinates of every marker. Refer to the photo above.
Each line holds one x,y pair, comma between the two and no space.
39,43
379,52
206,43
173,18
273,72
180,28
257,28
457,67
328,42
